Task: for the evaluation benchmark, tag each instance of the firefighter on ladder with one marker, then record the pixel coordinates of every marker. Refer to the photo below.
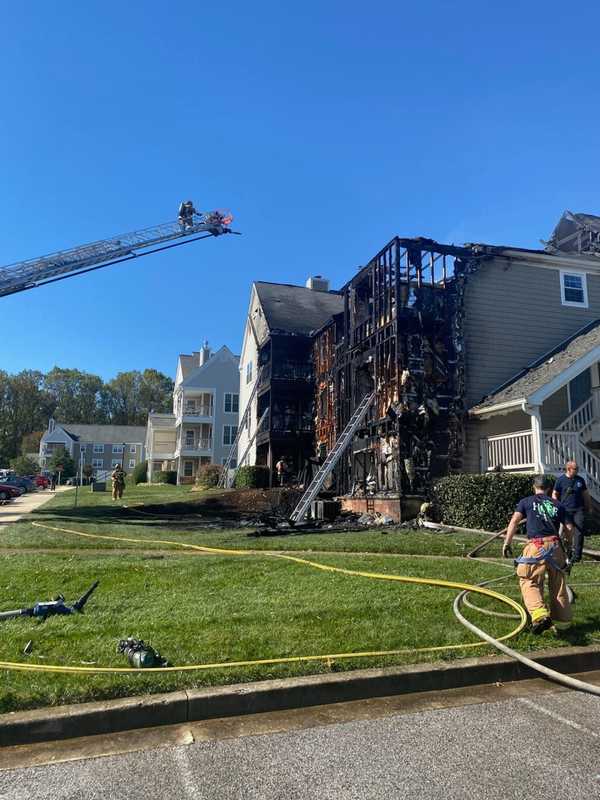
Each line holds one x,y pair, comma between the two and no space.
186,215
544,554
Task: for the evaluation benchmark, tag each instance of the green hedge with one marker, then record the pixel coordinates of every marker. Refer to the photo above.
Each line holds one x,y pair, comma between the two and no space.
481,501
208,476
140,472
165,476
252,478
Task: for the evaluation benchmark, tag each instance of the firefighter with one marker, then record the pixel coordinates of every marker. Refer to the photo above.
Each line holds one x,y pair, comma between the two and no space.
542,555
118,482
186,214
570,489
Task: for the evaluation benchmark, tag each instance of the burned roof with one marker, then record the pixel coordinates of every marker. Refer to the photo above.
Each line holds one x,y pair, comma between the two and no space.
540,372
296,309
576,234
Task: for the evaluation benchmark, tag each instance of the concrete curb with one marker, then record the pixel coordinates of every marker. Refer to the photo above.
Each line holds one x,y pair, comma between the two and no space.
111,716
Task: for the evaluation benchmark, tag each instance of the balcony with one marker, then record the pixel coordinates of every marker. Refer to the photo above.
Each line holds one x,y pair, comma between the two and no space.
194,447
197,414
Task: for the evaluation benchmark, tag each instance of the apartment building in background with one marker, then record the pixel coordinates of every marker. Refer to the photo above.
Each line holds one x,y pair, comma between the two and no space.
203,424
100,446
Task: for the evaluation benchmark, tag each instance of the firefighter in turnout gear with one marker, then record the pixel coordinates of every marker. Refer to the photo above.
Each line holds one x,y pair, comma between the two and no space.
118,482
543,555
186,214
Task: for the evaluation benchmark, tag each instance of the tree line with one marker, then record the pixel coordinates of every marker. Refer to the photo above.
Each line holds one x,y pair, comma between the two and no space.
29,398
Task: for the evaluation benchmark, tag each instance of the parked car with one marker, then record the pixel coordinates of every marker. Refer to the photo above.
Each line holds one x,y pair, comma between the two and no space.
8,492
22,483
41,481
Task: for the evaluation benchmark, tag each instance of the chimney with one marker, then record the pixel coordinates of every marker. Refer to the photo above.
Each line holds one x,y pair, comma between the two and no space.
317,283
204,353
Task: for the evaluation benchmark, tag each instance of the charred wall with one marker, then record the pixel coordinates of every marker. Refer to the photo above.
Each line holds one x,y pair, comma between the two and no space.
401,335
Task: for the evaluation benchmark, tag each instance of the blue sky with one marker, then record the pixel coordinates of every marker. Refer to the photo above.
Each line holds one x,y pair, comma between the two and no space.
326,127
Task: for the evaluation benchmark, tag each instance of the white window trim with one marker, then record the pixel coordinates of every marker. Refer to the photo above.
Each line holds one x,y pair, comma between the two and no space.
116,462
98,448
232,395
583,276
97,463
118,449
132,448
231,437
131,463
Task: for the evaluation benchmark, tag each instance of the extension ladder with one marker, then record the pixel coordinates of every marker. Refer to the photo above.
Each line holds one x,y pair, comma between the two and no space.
332,458
249,445
224,480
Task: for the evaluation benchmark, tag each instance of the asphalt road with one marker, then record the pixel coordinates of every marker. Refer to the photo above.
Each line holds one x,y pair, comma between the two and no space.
537,746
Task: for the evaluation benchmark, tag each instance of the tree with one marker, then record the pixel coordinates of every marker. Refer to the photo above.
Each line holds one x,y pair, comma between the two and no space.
30,443
76,395
24,466
130,396
24,407
61,458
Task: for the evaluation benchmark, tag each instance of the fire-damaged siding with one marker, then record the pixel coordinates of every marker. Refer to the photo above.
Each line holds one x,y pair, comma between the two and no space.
512,316
398,336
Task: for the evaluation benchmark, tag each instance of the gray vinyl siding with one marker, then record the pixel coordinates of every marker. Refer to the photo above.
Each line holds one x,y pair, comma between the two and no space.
555,409
477,429
513,315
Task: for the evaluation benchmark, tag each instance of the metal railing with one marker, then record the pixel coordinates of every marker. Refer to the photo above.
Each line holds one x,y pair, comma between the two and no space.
204,443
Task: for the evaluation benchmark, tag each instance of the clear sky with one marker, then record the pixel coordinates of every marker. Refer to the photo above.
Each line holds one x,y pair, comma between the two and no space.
327,128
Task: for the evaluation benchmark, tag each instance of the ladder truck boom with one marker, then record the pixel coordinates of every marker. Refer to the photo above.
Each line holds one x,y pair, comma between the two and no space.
66,263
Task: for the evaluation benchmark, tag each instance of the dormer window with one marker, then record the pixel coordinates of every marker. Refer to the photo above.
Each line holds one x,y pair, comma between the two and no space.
573,289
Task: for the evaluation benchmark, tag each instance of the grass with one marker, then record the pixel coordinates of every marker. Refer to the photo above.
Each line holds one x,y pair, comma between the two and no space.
211,609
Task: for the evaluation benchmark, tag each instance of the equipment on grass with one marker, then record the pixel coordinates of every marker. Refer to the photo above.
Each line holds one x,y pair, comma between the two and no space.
51,608
140,655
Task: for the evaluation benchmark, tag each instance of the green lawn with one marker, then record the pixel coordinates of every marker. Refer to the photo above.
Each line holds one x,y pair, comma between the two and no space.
210,609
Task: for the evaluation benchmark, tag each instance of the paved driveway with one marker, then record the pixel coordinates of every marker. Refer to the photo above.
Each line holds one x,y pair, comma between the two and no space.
538,746
26,503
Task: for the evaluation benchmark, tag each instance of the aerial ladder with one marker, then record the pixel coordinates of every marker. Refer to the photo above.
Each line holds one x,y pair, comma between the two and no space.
88,257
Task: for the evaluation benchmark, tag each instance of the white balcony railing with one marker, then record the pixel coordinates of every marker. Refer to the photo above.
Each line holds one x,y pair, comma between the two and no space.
204,443
197,411
508,451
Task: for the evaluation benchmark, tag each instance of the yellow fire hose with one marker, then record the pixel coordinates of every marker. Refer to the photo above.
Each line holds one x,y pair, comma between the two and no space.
463,587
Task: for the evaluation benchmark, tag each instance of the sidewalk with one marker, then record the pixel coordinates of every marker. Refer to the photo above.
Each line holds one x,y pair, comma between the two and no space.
26,503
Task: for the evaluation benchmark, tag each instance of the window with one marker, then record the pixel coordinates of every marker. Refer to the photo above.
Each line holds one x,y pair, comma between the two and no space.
189,438
131,463
117,449
229,434
98,463
232,463
98,448
157,466
188,469
249,372
132,448
573,289
580,389
190,405
115,463
232,403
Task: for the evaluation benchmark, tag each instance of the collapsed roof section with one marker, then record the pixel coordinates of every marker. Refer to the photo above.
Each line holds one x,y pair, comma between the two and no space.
577,234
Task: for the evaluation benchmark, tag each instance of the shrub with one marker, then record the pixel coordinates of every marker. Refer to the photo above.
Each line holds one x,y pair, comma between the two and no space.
481,501
166,476
23,465
208,475
140,472
252,478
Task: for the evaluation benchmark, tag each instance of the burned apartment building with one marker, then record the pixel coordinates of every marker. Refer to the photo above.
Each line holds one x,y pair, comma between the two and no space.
480,357
276,371
398,335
